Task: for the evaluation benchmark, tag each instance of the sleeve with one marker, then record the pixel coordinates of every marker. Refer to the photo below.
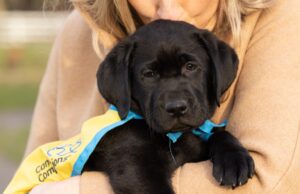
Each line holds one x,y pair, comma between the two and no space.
95,182
265,115
44,123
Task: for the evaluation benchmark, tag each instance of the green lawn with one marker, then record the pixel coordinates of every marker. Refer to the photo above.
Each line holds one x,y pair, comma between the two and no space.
23,64
12,143
21,70
18,96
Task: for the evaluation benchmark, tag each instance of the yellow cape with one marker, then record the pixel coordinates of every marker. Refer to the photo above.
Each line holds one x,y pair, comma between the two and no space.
62,159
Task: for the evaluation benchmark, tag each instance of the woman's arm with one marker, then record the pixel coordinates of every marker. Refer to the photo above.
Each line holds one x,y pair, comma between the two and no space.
265,115
73,37
44,123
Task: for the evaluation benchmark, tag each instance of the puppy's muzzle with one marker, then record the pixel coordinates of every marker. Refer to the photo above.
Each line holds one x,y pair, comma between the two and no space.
176,108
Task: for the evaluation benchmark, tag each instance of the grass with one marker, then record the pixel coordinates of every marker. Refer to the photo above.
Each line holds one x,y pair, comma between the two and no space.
23,64
21,70
12,143
18,96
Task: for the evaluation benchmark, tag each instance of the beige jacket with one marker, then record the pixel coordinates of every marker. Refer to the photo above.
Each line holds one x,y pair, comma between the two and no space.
263,106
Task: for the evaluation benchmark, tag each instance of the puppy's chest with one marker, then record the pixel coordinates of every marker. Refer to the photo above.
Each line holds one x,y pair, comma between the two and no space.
189,148
134,140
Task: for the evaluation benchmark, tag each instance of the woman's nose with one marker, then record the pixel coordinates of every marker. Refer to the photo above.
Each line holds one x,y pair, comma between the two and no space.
169,9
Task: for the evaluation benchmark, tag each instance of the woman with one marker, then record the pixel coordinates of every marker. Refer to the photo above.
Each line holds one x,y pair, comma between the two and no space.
263,105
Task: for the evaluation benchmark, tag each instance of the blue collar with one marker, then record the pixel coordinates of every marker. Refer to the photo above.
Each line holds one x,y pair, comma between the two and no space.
204,131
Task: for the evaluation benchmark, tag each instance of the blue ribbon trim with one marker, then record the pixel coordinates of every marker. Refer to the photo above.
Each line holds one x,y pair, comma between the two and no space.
204,132
85,154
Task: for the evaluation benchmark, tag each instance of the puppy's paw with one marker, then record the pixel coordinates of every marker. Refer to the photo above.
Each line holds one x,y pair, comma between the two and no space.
233,167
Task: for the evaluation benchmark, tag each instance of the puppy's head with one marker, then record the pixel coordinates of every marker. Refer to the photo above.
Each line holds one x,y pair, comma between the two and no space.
170,72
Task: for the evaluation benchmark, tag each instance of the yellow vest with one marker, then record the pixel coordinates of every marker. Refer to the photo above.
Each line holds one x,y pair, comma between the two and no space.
60,160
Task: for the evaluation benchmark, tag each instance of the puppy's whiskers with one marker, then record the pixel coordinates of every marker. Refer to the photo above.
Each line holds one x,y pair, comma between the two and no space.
150,116
171,152
150,123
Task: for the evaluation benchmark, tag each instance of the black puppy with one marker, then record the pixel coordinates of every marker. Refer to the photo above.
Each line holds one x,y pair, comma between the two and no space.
173,75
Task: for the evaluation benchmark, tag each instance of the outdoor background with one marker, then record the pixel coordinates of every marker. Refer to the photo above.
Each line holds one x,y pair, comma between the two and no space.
27,32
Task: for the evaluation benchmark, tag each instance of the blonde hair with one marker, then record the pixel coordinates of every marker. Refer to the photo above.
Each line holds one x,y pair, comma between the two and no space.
116,18
231,14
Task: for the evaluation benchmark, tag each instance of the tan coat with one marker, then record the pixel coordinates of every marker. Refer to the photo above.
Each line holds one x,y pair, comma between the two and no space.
263,106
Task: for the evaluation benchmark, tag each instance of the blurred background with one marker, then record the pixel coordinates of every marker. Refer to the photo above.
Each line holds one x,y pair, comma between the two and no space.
27,32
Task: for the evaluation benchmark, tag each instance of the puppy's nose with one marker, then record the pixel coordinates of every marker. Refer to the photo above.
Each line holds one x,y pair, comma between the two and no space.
176,108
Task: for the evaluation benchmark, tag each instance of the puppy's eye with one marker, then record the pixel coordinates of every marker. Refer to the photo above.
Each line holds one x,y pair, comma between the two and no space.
149,73
190,66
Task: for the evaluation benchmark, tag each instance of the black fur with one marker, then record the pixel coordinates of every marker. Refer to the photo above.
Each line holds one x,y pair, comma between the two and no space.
174,75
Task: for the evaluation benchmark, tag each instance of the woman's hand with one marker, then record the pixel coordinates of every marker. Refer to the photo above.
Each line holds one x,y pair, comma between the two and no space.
68,186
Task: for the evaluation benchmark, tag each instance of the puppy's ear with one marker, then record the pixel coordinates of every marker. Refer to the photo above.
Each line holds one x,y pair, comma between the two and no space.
113,77
224,62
